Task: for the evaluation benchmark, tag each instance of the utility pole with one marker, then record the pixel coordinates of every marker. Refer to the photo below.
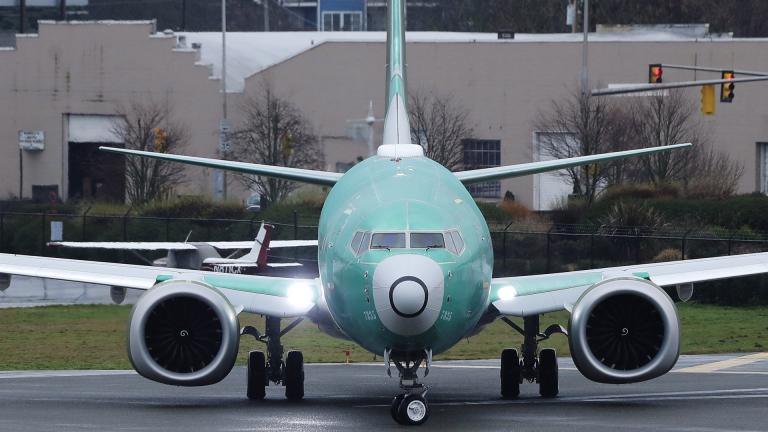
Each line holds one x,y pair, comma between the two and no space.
183,15
221,175
266,15
22,16
584,53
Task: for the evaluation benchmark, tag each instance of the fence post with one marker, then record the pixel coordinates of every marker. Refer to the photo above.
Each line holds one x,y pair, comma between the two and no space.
592,250
295,225
637,246
125,224
85,214
2,231
504,247
549,248
167,228
42,233
682,246
730,241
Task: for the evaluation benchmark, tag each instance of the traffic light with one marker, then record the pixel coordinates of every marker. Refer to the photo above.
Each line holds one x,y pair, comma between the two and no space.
655,74
160,139
708,99
726,89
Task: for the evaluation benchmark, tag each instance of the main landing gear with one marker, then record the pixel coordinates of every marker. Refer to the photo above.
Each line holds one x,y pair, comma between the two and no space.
535,365
263,370
411,407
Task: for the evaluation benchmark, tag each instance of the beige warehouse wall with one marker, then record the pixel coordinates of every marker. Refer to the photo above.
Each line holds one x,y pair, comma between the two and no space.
92,68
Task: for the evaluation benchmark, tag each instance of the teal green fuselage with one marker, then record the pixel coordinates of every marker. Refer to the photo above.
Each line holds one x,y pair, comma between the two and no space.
412,194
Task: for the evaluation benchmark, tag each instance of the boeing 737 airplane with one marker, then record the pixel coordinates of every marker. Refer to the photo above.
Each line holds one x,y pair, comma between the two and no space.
406,264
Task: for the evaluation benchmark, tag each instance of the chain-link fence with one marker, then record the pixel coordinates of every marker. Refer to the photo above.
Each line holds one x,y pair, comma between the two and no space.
518,249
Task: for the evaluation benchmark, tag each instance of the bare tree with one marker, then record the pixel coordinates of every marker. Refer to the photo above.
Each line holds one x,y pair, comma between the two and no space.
274,132
149,126
582,126
714,175
440,125
663,120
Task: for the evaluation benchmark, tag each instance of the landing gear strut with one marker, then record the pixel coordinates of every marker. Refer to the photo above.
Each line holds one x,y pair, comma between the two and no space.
263,370
533,364
411,407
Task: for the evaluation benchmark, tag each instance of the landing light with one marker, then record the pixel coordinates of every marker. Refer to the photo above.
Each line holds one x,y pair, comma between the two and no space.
506,293
300,295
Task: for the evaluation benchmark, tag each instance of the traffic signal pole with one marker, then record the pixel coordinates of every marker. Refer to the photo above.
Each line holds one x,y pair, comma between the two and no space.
652,87
717,70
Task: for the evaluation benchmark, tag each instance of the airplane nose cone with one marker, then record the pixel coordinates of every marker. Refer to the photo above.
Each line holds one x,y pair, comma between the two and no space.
408,293
408,296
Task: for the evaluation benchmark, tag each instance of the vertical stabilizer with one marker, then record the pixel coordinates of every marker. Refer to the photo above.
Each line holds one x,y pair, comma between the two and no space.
397,128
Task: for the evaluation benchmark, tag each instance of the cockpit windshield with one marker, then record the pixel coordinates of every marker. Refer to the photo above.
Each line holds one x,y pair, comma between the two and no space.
387,240
422,240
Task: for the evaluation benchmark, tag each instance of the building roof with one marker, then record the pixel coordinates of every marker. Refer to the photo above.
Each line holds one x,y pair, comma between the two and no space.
251,52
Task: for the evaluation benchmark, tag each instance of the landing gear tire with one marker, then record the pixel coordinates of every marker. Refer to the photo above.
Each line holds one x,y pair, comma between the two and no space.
396,406
510,374
256,375
294,375
548,376
413,410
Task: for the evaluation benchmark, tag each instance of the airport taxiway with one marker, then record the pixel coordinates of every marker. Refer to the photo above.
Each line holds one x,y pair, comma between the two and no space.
703,394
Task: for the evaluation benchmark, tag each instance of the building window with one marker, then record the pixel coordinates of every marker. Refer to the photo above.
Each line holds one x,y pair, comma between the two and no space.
342,21
483,154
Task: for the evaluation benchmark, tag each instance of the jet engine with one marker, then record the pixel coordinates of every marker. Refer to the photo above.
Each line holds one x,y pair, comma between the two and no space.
624,330
183,333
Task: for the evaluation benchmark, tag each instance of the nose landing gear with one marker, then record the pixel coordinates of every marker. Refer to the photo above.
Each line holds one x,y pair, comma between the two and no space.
410,408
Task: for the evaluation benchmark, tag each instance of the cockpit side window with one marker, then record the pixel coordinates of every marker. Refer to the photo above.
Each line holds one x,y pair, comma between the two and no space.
355,245
422,240
457,241
363,247
387,240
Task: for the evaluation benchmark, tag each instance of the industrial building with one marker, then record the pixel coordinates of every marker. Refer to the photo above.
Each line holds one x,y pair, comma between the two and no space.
60,90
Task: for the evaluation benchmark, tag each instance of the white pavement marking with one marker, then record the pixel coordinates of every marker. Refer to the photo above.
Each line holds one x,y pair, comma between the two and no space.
749,393
60,374
725,364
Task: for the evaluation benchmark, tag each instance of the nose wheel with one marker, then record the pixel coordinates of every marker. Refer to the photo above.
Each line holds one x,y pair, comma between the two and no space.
410,409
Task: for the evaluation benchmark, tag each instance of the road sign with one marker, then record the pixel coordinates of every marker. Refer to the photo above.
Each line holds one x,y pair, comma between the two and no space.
32,140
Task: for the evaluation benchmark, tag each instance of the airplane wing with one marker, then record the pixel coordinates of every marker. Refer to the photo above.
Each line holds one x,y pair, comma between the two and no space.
530,295
128,245
280,297
227,245
221,245
323,178
496,173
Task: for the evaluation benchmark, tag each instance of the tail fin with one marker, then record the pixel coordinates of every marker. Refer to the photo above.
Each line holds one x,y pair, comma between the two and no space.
397,127
258,253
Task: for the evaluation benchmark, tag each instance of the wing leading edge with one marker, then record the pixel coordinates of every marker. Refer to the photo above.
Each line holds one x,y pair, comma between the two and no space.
496,173
272,296
323,178
529,295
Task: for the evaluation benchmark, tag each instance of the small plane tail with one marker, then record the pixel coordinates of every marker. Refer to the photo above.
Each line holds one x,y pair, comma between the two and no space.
258,253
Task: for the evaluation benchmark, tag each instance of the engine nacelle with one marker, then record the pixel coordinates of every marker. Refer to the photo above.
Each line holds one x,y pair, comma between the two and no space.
183,333
624,330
